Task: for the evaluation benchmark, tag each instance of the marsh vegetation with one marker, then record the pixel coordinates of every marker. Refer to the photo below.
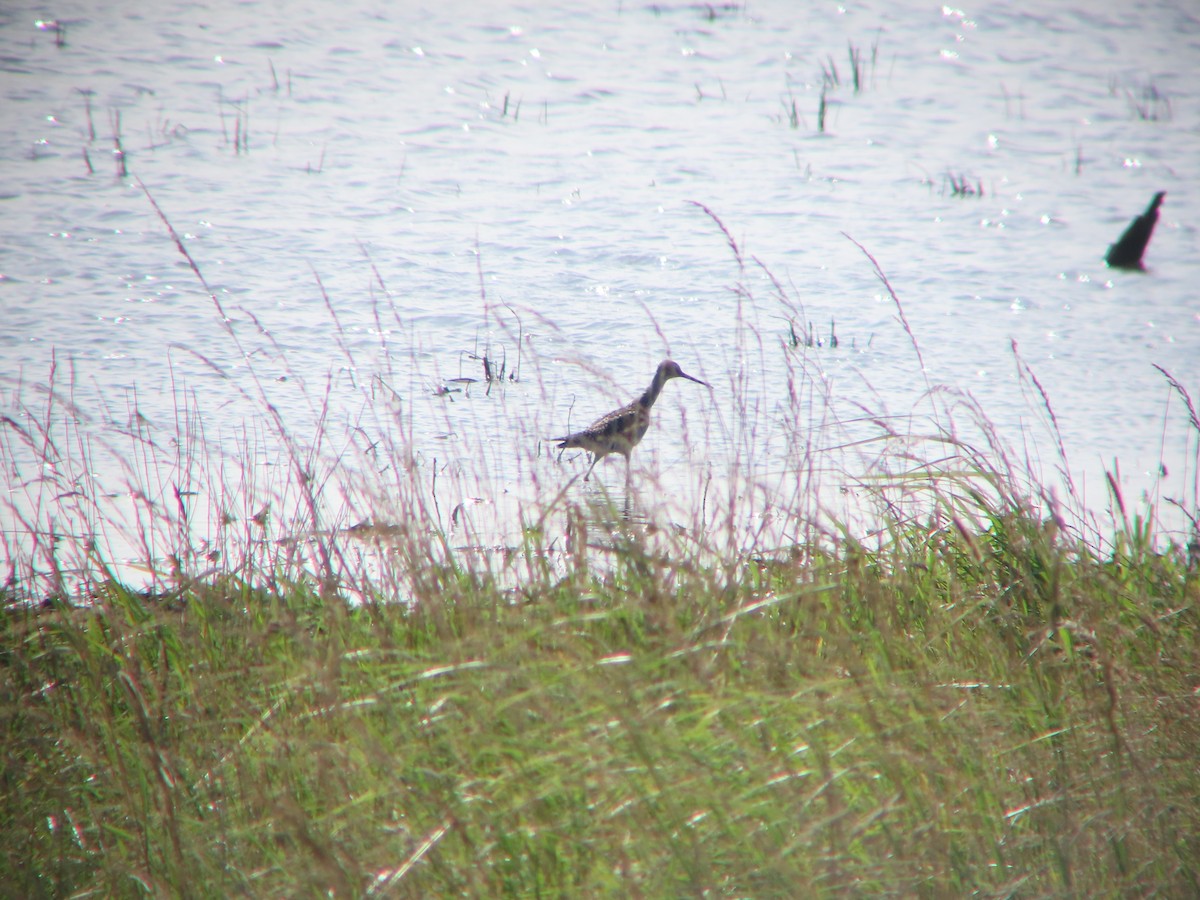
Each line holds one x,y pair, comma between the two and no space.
314,680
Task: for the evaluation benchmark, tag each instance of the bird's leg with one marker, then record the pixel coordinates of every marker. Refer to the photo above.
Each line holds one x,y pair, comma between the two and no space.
595,459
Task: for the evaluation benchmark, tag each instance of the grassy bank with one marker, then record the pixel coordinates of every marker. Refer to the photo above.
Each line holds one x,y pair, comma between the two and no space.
948,712
322,675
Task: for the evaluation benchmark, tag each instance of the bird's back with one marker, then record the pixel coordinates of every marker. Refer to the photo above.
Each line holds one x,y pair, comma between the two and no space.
618,432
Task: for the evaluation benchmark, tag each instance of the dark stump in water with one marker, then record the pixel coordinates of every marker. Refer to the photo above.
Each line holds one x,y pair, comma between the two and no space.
1127,252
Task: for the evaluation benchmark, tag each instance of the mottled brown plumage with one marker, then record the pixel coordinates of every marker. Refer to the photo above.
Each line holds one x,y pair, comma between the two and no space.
622,429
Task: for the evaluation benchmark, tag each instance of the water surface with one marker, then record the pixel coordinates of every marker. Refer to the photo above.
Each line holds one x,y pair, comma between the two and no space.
377,196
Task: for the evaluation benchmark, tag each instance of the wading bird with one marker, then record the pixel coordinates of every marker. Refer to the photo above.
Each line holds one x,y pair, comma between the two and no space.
622,429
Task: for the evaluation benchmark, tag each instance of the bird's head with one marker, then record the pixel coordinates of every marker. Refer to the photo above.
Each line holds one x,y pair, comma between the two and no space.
668,368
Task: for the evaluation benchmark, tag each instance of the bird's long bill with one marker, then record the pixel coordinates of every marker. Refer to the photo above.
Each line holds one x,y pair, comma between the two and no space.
684,374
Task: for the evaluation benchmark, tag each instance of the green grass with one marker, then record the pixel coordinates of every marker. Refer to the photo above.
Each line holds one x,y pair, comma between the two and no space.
977,700
1000,713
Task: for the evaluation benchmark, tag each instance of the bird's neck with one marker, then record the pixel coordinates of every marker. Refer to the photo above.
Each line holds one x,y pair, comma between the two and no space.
651,394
